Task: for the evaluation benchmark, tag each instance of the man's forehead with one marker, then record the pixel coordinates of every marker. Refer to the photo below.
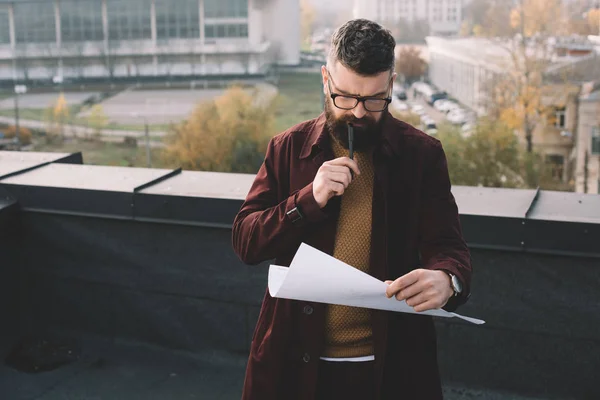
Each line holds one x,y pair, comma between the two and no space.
352,83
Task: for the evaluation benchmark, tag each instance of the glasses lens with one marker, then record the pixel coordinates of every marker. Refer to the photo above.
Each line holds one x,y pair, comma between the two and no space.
375,104
346,103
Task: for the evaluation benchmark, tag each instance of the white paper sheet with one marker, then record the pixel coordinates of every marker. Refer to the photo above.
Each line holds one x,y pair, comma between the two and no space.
316,276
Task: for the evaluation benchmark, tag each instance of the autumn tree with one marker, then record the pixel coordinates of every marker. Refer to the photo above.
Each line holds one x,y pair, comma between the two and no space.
514,95
57,115
487,18
227,134
489,157
25,134
410,64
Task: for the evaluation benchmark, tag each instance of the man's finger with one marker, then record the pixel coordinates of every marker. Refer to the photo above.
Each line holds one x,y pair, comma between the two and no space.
402,282
428,305
411,291
345,161
340,177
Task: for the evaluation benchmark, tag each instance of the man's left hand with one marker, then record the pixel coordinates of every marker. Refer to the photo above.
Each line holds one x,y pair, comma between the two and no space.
423,289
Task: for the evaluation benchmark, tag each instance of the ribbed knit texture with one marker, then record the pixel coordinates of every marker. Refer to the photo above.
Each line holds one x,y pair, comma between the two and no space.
348,331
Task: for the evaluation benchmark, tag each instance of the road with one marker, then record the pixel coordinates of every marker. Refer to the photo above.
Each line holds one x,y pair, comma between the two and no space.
80,131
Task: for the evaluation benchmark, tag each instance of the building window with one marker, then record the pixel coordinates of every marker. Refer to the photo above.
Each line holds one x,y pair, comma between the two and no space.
225,8
561,119
215,31
225,19
129,19
182,21
34,22
452,14
556,164
4,27
81,21
596,140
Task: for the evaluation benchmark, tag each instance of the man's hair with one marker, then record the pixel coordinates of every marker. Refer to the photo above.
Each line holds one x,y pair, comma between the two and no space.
363,46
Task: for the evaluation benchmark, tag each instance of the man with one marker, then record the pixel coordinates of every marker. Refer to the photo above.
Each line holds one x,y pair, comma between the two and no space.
387,211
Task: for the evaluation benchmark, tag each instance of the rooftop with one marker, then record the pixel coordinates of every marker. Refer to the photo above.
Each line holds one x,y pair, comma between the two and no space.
127,277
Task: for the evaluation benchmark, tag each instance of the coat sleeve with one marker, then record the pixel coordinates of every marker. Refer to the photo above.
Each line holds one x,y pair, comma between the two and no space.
441,243
263,228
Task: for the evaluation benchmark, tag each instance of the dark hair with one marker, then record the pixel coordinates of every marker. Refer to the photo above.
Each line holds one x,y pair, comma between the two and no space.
364,47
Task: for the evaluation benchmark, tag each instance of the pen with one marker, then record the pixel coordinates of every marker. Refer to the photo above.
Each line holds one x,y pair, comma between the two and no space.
351,140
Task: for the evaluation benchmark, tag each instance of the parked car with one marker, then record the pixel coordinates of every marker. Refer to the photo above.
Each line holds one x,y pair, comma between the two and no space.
457,117
445,106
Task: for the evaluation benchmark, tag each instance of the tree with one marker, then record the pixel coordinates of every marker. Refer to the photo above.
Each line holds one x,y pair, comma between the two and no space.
490,157
515,95
227,134
307,20
535,18
410,64
58,115
25,134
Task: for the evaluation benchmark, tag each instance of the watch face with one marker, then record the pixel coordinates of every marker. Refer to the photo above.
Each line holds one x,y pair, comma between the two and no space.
456,284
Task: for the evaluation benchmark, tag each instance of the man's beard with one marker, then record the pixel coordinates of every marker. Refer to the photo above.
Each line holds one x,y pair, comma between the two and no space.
367,131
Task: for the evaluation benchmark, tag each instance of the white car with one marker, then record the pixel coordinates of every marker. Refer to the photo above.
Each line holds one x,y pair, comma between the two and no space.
440,105
457,117
445,106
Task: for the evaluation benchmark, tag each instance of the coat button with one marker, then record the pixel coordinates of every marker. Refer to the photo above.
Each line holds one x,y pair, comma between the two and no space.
306,358
308,310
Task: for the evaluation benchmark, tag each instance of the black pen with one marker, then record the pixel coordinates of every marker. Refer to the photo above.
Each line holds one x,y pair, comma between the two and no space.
351,140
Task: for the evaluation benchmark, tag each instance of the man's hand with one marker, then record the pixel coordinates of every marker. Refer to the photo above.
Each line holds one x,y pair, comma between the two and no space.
422,289
333,178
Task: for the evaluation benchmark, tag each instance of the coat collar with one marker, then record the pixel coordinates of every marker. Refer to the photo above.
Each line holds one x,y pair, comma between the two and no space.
317,138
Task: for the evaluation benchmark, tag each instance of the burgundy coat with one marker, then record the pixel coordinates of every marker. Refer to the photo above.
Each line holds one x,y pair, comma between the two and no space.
415,225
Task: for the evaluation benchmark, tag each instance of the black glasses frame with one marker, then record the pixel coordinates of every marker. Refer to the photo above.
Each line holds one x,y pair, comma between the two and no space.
359,99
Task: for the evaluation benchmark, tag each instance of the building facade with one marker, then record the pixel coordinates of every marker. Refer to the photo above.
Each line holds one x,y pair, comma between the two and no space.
444,16
465,67
79,39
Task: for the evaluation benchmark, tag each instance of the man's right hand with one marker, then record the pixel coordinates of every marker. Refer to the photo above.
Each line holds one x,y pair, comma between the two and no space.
333,178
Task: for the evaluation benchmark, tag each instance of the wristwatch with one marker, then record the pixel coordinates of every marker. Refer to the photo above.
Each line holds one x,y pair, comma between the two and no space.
455,284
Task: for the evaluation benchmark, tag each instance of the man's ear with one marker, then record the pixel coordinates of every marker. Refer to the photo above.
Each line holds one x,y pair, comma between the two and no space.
324,78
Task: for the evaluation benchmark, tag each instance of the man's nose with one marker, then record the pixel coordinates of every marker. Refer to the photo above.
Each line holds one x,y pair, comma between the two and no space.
359,111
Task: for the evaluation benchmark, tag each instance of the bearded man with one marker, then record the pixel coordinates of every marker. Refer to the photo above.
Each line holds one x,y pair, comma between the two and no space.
381,203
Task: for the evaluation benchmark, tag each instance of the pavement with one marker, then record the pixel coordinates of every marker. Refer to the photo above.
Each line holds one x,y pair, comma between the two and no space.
131,371
168,106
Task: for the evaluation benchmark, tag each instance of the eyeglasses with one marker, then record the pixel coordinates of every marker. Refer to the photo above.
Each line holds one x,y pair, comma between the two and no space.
346,102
